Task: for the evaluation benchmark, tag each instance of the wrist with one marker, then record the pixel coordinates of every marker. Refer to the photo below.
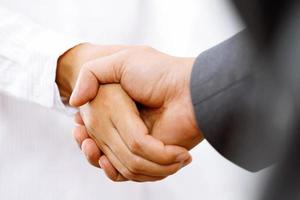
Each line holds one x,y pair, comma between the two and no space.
68,67
189,63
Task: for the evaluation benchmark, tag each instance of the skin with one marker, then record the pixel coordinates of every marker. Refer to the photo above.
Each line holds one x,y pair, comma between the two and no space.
158,82
121,163
112,118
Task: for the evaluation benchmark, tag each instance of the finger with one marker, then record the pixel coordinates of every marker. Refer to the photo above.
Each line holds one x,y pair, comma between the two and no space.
78,119
103,70
91,151
110,171
125,173
80,134
86,80
135,135
132,162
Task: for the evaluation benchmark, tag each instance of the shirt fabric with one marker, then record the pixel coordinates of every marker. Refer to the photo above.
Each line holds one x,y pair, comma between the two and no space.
28,59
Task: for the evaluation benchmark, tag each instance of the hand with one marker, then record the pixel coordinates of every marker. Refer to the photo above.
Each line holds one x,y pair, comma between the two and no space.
111,118
159,82
68,68
70,63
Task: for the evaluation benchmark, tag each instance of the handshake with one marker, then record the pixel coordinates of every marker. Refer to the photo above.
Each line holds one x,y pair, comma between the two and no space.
136,118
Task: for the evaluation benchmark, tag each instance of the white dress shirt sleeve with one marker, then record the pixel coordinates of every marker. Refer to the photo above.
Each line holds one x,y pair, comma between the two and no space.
28,59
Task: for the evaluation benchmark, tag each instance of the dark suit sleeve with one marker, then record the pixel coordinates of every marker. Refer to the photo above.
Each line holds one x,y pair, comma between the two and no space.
223,89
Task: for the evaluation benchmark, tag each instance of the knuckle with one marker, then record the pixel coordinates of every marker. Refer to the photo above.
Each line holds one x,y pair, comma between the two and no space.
135,146
85,66
135,165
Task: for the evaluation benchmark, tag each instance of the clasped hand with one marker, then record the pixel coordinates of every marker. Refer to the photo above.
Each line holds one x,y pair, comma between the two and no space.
136,117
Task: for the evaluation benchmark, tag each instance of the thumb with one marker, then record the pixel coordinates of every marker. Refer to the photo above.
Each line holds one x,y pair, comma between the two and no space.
85,90
93,73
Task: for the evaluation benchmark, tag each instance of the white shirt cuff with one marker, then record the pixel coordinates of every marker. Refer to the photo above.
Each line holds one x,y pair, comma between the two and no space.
51,46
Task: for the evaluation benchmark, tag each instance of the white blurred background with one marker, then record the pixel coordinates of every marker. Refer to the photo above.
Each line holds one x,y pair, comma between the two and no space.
38,157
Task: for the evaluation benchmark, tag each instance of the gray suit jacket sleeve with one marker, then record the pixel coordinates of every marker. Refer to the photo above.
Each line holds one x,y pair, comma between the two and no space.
222,77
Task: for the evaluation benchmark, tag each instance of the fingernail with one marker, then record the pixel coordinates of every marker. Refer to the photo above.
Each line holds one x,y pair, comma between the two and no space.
182,157
186,162
73,95
75,91
100,163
